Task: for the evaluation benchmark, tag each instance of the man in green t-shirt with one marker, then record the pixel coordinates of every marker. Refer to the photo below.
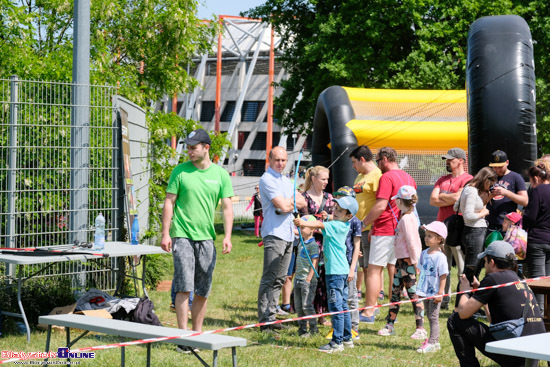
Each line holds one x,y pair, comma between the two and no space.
194,190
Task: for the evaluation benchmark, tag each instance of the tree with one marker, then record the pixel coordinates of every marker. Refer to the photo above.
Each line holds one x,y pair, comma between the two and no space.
411,44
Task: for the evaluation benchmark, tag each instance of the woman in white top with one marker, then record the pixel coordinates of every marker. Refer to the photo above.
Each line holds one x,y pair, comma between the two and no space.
472,205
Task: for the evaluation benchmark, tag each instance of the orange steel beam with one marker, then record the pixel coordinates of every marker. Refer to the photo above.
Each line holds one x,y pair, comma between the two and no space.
269,135
218,80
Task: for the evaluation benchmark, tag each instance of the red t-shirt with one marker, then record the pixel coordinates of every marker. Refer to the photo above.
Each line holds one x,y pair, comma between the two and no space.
449,185
390,182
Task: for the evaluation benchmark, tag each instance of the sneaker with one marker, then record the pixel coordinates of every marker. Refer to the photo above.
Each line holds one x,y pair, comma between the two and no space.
268,329
186,350
428,348
172,307
381,295
387,330
304,335
348,343
331,347
280,311
355,335
329,335
366,319
420,333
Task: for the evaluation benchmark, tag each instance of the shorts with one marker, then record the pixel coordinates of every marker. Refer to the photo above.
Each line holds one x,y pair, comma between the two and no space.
382,250
363,261
194,263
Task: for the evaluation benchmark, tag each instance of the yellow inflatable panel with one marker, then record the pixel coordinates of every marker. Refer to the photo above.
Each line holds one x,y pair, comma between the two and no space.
406,95
407,135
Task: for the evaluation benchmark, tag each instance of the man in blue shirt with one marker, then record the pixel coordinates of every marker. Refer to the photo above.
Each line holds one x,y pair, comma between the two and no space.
277,194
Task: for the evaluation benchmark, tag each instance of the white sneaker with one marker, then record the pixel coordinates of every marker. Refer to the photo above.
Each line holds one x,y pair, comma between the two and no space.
387,330
428,348
348,344
420,334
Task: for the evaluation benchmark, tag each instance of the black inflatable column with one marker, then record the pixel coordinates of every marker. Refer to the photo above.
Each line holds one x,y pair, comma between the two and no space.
500,86
332,113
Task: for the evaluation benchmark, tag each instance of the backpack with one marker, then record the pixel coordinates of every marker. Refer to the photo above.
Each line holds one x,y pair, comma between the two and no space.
144,313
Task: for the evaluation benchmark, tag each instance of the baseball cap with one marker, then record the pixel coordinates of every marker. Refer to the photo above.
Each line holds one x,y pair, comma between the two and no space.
308,218
344,191
349,203
514,217
198,136
454,153
498,159
405,192
437,227
497,249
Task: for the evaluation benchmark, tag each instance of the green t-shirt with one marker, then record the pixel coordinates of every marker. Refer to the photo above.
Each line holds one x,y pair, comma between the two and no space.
198,193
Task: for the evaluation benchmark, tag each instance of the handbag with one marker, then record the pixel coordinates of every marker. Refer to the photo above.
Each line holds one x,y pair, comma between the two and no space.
510,328
455,227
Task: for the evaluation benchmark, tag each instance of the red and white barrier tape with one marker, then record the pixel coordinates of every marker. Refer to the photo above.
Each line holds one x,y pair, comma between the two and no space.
159,339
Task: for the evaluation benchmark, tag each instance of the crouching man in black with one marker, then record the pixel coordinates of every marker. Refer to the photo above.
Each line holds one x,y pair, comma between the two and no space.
506,303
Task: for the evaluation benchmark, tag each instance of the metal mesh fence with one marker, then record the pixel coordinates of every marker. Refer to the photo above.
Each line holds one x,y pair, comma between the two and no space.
37,154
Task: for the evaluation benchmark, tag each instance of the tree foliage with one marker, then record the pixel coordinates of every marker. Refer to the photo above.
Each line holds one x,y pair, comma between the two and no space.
409,44
161,34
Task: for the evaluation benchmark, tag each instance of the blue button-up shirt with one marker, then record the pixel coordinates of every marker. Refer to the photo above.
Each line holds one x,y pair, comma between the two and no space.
272,185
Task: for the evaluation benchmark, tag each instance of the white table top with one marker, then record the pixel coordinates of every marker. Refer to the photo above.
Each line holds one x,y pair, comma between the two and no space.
532,347
114,249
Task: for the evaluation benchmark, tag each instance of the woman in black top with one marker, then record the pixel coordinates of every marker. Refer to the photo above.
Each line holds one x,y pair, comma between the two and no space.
536,220
258,214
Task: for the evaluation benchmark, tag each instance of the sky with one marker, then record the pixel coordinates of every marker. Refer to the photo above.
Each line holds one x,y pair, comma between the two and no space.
225,7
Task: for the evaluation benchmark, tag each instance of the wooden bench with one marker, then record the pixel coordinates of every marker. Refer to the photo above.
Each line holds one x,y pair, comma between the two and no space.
543,287
132,330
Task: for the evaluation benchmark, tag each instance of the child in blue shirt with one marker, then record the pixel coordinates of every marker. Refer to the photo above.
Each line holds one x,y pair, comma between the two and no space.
337,269
305,280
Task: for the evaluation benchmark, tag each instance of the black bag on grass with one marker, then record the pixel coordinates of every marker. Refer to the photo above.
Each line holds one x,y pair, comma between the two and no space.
145,313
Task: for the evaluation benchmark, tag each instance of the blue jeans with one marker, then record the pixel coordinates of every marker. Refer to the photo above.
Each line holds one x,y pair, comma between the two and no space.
538,264
337,289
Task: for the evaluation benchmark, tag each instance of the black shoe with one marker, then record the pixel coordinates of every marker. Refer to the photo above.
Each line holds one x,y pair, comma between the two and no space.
186,350
268,329
279,326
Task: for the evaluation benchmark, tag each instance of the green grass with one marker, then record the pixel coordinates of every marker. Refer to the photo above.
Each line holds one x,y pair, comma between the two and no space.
233,302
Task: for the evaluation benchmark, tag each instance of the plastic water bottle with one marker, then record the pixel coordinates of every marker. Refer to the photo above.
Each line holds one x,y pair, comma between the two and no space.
135,231
99,237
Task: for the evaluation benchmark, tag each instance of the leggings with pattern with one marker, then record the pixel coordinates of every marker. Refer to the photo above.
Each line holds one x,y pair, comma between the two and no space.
405,276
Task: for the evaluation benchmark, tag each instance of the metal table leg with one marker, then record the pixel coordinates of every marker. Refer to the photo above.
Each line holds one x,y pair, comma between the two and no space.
234,355
20,304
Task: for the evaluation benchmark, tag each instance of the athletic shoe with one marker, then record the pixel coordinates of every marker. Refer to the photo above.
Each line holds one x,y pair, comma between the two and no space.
428,348
268,329
172,307
329,335
387,330
420,334
355,335
304,335
366,319
348,344
331,347
280,311
381,295
186,350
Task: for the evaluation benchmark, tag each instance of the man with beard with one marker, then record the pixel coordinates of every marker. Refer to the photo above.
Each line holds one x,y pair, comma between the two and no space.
446,191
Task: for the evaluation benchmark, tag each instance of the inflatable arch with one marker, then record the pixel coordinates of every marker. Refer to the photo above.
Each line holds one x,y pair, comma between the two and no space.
496,111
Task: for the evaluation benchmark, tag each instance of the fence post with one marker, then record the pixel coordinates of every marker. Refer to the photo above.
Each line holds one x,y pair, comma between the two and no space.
12,177
80,122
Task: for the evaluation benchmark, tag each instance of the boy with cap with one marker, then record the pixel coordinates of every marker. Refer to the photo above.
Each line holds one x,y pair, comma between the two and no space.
337,269
305,280
353,247
505,304
507,193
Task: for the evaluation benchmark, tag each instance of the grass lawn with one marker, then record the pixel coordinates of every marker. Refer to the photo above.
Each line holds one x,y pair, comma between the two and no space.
233,303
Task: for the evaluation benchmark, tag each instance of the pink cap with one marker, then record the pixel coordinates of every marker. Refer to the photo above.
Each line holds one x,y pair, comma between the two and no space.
515,217
405,192
437,227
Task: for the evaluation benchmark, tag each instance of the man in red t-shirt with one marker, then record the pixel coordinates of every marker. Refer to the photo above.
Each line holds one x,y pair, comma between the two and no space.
446,192
384,216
